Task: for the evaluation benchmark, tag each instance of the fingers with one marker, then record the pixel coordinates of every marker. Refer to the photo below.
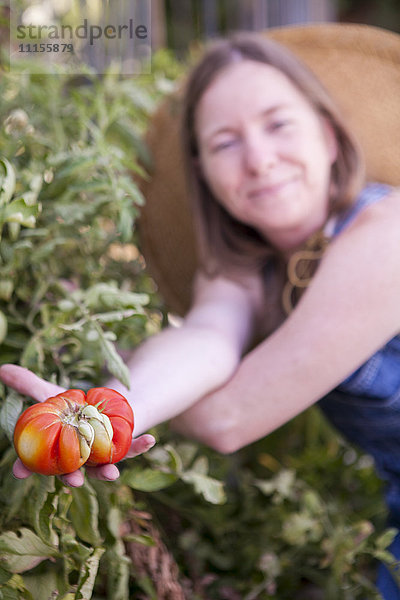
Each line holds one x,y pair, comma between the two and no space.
20,471
103,473
75,479
27,383
141,444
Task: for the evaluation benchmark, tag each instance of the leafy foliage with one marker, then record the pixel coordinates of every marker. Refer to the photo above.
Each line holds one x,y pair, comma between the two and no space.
293,516
303,518
71,287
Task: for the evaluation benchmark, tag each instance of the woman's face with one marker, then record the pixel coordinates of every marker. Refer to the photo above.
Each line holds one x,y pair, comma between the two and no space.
265,153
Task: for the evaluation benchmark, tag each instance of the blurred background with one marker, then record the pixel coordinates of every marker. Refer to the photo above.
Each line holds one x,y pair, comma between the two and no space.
176,24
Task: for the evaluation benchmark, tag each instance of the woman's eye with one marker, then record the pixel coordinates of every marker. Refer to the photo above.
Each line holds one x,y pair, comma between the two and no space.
224,145
279,124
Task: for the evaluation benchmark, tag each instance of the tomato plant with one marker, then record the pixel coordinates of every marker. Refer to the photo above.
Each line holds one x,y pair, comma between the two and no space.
73,428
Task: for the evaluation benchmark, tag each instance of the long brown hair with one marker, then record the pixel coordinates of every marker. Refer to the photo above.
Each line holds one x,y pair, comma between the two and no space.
224,242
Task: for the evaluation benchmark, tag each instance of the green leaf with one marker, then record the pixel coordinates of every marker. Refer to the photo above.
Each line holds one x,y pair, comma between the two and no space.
43,510
84,513
200,465
7,181
6,289
113,518
211,489
166,458
42,585
15,590
147,480
385,556
299,529
108,295
32,356
175,462
115,557
21,212
75,212
114,316
15,491
118,572
47,249
74,548
114,362
187,452
126,134
386,538
4,576
88,574
282,485
14,230
23,550
9,413
77,165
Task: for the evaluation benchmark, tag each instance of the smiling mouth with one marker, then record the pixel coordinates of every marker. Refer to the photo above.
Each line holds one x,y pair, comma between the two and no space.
270,189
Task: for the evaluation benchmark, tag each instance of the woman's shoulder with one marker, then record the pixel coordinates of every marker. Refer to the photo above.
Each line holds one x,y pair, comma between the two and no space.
379,200
374,199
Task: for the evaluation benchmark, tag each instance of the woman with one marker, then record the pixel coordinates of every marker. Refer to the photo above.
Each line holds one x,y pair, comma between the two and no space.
278,190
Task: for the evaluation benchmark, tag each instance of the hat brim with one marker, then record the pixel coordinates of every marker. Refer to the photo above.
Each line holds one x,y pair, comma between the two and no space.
358,64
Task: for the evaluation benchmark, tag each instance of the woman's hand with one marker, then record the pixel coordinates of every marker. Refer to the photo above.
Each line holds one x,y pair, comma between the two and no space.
27,383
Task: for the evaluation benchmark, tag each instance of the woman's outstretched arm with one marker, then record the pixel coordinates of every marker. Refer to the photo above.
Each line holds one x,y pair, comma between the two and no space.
173,369
351,309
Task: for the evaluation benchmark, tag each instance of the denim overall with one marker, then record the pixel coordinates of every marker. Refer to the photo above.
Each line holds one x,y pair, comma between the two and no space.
365,407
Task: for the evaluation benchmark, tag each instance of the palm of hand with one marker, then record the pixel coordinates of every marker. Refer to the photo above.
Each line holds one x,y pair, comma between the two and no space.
27,383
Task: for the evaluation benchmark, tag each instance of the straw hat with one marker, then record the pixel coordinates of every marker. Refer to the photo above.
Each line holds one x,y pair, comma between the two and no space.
360,66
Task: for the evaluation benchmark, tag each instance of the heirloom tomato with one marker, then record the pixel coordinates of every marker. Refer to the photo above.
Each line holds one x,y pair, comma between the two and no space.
64,432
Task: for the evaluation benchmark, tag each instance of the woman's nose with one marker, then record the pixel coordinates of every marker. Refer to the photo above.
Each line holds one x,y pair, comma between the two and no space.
259,155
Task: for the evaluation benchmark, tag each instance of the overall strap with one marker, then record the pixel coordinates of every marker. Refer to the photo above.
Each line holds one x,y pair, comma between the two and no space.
303,264
373,192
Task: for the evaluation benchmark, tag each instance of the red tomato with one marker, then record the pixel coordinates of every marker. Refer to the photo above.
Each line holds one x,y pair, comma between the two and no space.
119,411
68,430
